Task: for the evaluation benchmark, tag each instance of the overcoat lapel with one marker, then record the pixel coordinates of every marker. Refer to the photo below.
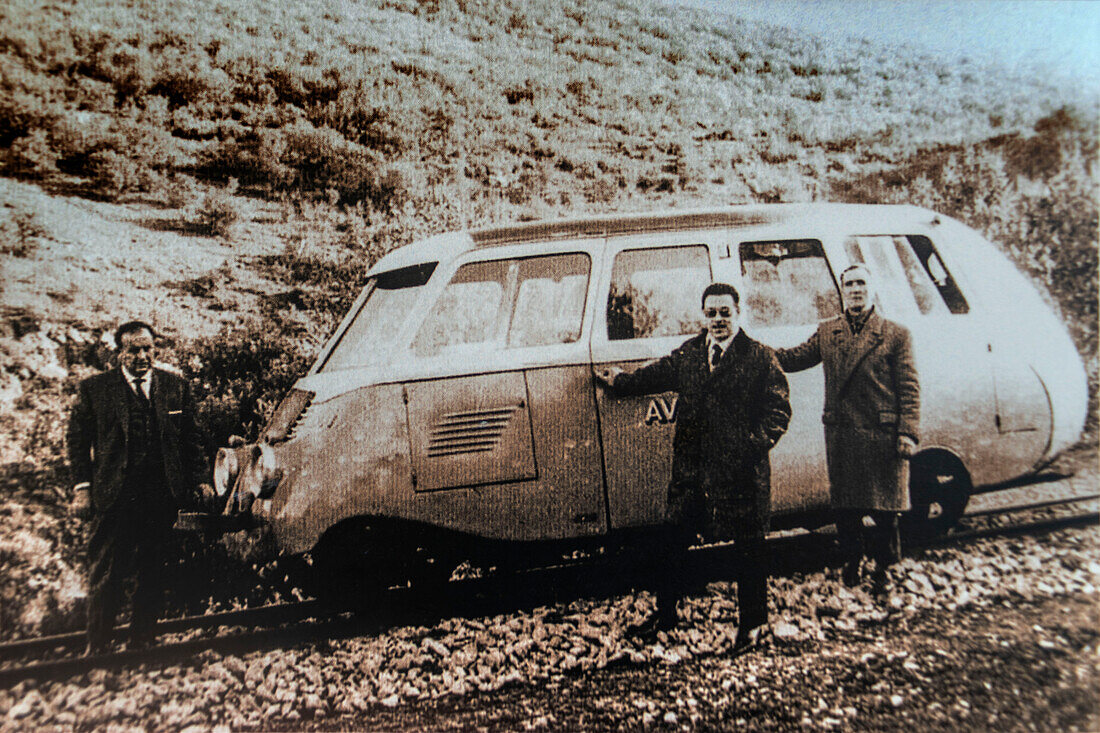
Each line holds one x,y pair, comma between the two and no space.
157,394
121,400
729,359
854,349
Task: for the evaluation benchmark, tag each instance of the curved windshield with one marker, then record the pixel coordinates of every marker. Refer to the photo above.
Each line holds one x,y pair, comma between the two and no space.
371,338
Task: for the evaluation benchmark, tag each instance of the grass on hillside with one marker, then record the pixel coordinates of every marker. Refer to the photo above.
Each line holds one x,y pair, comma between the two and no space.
502,105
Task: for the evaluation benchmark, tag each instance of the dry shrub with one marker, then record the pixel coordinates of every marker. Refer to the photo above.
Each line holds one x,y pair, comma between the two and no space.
600,191
303,158
179,191
31,156
216,215
19,234
113,174
239,376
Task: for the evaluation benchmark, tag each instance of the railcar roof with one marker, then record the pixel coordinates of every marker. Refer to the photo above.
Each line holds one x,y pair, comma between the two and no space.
868,217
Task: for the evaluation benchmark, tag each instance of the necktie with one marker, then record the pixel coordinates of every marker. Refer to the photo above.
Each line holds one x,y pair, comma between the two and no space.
715,355
139,389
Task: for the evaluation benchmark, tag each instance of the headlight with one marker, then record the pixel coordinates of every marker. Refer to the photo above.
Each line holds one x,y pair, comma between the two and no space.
227,466
259,474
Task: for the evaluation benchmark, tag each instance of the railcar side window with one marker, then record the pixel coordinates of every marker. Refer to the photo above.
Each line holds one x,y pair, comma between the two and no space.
549,300
533,301
909,265
655,292
786,283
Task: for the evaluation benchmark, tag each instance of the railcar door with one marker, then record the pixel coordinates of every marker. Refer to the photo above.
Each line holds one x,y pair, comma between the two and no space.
650,305
502,429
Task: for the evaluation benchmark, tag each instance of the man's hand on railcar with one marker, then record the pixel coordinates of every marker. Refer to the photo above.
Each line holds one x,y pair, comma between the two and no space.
907,447
606,376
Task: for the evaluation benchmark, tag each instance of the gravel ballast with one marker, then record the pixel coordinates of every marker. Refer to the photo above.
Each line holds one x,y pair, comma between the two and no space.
421,677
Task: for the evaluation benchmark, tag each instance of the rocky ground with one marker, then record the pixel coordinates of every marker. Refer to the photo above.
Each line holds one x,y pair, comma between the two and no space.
998,633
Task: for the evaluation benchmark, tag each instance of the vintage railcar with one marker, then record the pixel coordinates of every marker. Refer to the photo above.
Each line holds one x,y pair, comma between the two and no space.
455,407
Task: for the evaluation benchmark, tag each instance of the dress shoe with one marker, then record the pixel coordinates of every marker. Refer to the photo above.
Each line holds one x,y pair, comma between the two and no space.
850,574
96,649
880,585
748,639
648,628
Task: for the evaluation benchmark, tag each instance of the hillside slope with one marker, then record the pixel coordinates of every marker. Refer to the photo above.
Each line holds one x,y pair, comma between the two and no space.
486,106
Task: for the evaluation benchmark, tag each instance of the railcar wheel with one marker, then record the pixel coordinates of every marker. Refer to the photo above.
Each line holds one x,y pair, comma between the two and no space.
353,563
357,560
428,565
939,490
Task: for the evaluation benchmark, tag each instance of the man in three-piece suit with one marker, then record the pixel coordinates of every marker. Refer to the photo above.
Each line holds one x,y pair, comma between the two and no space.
135,459
871,417
732,408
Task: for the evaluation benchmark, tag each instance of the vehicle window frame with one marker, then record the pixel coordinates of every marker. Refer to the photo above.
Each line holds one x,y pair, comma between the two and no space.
744,280
424,269
600,335
497,344
952,303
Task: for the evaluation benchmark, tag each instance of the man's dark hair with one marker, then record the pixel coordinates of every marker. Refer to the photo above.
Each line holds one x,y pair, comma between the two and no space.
856,266
721,289
132,327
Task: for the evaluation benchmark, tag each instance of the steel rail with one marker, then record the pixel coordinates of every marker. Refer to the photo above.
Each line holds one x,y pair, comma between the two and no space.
277,613
1083,519
270,614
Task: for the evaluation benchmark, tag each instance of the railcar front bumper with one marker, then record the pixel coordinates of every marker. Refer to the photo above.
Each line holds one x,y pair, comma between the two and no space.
246,537
210,523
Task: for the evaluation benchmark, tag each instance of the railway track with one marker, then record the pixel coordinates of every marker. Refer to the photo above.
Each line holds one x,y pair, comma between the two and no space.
293,623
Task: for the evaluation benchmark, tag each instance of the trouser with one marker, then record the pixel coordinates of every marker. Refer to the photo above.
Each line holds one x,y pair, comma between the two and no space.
128,541
883,542
672,576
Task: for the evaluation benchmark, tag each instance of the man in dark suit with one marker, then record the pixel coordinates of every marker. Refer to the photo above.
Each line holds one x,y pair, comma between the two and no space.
732,409
135,459
872,421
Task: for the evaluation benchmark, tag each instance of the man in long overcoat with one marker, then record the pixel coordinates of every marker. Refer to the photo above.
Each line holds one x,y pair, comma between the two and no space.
135,459
871,417
732,408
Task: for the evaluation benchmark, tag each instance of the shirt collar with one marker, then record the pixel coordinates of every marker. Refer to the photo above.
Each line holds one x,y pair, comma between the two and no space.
856,321
711,341
145,380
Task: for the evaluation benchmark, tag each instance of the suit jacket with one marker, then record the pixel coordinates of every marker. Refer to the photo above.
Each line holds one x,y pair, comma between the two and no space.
98,433
726,422
872,395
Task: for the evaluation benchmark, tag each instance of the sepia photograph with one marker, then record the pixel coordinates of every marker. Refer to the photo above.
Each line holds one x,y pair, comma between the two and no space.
424,365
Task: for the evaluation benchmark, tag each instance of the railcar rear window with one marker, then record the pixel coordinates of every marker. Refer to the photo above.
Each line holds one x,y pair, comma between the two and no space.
533,301
655,292
786,283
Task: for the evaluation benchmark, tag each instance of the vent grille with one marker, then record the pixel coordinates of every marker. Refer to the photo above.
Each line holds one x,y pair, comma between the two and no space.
474,431
288,415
